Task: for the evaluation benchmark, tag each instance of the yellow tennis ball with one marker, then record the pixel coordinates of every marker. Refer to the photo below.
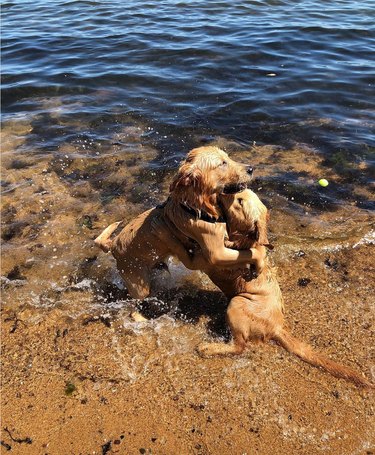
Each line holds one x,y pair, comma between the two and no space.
323,182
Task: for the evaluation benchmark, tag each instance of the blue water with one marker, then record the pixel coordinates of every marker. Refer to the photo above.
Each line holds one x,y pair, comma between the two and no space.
269,71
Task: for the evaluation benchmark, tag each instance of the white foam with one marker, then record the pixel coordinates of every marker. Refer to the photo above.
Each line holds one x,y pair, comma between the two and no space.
367,239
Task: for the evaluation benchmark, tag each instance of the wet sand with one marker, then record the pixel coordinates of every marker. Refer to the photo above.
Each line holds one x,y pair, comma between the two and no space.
80,377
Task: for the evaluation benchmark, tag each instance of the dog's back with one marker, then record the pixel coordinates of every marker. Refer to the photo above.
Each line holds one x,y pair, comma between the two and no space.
136,243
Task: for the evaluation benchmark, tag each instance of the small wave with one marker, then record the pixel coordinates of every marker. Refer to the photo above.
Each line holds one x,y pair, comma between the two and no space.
368,239
6,283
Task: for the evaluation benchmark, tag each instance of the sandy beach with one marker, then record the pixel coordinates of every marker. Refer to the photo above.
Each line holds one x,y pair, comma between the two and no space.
96,384
79,376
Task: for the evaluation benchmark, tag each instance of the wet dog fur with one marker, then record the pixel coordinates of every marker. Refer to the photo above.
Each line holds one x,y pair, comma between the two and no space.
145,241
255,311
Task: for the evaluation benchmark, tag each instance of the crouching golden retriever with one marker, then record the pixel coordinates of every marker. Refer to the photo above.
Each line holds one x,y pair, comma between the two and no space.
255,311
191,216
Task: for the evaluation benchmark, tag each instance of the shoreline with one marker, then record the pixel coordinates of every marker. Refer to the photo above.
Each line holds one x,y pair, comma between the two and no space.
104,384
79,376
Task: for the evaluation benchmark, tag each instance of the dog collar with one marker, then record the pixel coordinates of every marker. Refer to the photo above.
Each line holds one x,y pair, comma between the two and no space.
162,205
201,214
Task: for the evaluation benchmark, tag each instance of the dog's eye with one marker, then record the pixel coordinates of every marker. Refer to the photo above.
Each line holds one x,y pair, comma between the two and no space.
240,201
224,163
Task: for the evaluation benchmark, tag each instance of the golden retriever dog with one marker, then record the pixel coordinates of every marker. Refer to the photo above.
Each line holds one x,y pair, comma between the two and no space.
255,311
191,216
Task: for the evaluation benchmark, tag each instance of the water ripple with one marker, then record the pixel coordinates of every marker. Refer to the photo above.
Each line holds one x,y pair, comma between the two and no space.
183,63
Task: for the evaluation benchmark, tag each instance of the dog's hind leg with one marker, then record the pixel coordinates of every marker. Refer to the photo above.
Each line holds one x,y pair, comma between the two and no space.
138,284
239,327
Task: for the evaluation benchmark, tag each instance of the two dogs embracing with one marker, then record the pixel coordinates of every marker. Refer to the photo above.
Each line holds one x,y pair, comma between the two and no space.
213,223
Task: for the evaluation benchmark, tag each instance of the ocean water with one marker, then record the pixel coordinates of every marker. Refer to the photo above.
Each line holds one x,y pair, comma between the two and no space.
269,71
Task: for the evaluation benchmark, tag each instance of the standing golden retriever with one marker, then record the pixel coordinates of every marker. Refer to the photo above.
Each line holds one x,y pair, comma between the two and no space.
255,311
191,215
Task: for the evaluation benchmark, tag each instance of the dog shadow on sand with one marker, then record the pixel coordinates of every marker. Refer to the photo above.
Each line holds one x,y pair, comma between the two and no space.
186,303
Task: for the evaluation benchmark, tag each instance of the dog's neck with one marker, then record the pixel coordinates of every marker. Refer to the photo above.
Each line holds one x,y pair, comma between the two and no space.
201,214
198,204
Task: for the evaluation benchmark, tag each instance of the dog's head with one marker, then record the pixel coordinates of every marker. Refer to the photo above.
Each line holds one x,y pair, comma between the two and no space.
246,215
206,172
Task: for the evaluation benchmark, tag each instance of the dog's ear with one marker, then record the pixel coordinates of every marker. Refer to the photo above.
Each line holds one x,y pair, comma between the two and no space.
261,228
187,176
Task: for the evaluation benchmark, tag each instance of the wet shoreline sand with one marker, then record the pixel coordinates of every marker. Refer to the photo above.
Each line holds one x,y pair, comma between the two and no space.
78,384
79,376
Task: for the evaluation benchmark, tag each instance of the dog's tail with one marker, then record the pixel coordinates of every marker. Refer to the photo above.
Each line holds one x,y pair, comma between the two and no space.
307,353
103,241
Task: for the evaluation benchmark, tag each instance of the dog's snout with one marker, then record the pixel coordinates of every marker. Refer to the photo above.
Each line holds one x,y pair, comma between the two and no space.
250,170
